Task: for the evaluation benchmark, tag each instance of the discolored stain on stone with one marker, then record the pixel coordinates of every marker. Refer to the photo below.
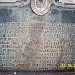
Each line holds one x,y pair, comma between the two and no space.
55,11
67,16
5,15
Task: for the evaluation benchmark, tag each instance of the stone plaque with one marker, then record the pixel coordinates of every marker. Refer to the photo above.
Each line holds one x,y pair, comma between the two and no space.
34,40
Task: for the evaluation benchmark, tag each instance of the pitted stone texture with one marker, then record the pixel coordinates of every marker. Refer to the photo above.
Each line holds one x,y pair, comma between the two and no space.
25,14
35,46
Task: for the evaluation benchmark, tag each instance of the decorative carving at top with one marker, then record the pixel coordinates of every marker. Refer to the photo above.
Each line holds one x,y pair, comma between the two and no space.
40,7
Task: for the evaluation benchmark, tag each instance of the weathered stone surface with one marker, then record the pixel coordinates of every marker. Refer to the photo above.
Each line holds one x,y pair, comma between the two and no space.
32,42
35,46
